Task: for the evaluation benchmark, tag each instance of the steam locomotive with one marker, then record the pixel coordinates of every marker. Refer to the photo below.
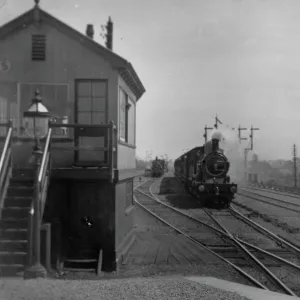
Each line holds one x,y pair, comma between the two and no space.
204,171
158,167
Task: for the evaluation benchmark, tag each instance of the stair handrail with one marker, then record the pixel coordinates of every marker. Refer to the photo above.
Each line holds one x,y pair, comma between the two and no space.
43,176
42,180
6,161
45,160
7,145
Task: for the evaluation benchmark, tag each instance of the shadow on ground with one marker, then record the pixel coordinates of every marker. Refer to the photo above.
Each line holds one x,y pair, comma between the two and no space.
176,195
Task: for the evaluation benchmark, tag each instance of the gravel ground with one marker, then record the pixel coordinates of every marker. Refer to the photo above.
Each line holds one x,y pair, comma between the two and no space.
135,288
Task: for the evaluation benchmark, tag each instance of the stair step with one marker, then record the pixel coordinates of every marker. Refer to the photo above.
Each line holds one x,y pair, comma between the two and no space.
23,173
19,191
14,233
82,260
11,223
80,270
17,201
86,263
7,270
13,245
12,258
26,182
15,212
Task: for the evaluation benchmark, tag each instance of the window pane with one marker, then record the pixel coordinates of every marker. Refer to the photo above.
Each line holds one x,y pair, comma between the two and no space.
131,122
84,104
99,118
84,118
99,104
84,89
122,121
99,88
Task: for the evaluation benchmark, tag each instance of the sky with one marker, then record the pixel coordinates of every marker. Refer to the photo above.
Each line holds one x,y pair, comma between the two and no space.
239,59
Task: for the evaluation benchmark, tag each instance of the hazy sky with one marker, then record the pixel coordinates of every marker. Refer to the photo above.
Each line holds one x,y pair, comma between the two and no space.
196,58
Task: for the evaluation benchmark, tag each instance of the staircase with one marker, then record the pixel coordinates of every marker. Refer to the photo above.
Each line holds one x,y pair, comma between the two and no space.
14,223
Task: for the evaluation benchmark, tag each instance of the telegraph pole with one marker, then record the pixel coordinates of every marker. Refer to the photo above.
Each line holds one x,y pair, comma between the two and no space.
240,134
295,164
251,136
205,134
246,151
108,36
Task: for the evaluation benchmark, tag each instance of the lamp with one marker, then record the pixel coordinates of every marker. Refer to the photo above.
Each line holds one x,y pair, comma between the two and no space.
36,121
36,126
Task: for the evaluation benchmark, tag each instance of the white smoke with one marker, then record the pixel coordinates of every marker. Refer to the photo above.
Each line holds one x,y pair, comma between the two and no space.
217,135
233,150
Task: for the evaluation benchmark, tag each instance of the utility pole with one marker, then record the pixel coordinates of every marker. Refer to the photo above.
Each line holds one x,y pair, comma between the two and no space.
108,36
295,164
205,134
246,151
251,136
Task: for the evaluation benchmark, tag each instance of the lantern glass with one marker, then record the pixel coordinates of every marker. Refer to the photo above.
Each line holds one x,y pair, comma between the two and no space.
36,120
36,127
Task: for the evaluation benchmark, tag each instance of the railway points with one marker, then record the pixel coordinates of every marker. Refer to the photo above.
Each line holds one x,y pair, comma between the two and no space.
281,253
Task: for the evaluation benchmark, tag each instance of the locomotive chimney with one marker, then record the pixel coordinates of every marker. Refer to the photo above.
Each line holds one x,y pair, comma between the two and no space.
215,145
90,31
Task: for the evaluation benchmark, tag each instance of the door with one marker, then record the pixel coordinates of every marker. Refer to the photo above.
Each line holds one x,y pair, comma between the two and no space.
85,231
91,109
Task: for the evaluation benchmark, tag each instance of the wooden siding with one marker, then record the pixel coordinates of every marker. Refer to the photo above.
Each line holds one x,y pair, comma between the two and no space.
124,215
126,157
66,60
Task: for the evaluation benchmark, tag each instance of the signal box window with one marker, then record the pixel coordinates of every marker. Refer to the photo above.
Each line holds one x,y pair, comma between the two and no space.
127,118
91,102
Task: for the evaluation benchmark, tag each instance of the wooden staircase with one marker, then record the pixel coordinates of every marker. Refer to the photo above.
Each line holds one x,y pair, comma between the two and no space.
22,202
14,223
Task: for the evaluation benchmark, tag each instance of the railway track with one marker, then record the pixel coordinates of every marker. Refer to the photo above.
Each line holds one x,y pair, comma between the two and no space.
283,191
219,241
287,205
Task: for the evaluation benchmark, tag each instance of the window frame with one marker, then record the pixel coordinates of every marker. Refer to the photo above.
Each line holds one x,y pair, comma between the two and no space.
91,80
124,140
121,138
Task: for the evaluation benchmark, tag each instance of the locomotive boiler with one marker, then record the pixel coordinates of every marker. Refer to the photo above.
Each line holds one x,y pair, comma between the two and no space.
204,171
158,167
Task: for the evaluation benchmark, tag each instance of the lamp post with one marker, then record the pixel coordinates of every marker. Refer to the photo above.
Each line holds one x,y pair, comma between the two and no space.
36,126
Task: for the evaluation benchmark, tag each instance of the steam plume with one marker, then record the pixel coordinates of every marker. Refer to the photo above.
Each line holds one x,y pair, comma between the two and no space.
233,150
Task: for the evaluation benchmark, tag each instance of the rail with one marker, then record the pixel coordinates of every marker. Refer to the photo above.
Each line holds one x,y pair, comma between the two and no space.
241,244
36,212
87,130
6,161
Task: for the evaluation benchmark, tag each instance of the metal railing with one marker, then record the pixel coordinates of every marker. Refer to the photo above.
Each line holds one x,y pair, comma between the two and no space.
6,161
36,212
107,131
